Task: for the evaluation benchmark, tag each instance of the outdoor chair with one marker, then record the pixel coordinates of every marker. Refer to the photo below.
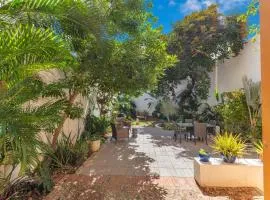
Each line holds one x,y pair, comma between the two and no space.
179,131
200,132
212,129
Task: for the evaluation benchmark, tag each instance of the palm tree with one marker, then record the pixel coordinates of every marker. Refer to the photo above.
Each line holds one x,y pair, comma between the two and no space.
30,42
253,100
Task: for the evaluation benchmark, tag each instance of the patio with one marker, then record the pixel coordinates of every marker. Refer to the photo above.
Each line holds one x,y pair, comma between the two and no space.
151,166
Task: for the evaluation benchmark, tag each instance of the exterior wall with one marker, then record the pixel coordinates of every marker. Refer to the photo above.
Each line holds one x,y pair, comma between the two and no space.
231,72
229,75
72,127
243,173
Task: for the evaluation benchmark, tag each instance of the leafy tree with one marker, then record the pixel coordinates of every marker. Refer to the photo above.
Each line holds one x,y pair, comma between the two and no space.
199,41
109,47
28,45
253,10
127,58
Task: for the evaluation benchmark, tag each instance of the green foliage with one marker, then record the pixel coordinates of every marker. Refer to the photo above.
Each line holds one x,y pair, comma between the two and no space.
199,41
234,112
168,108
21,121
259,147
253,99
253,9
69,153
95,126
206,113
124,105
229,145
203,152
170,126
44,175
26,50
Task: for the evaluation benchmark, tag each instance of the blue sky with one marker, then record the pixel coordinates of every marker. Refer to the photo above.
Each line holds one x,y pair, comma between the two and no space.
170,11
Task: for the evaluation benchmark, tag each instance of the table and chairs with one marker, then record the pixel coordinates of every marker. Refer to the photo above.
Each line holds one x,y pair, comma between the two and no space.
194,131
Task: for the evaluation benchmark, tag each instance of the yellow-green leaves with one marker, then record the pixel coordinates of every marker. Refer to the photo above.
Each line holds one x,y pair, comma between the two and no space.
229,145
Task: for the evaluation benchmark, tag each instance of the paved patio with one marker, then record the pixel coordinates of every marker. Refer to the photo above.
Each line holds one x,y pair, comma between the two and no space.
153,152
151,166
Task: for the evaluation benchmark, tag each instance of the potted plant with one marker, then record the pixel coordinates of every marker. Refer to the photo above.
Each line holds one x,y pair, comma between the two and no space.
259,149
204,156
230,146
94,142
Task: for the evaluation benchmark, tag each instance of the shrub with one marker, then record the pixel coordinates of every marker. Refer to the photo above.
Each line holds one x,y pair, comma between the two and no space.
68,153
169,126
229,145
234,112
259,148
95,125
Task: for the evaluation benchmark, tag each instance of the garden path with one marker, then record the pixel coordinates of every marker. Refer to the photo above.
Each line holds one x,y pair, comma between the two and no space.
151,166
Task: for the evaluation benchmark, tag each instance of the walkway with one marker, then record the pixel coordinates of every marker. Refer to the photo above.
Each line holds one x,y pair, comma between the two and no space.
151,166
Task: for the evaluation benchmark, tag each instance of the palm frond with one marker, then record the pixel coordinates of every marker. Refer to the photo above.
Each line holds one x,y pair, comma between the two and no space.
25,50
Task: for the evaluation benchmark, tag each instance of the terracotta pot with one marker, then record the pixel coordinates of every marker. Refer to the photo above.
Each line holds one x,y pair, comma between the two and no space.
94,146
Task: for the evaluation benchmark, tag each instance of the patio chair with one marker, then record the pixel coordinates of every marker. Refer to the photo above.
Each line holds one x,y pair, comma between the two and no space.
212,128
179,131
200,132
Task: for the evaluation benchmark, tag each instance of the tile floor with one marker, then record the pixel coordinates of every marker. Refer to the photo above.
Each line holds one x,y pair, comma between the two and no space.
151,166
152,152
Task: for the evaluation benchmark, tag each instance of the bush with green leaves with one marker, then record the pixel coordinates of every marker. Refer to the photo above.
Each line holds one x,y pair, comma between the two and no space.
234,113
95,126
69,153
169,126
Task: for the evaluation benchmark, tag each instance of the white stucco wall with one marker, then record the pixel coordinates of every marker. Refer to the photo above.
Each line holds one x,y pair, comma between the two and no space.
229,75
231,72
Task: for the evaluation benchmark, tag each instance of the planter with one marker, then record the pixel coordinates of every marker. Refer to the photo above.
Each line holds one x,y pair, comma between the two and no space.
94,146
204,158
216,173
230,159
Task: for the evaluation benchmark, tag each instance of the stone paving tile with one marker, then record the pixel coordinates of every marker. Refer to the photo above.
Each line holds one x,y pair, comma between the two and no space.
151,166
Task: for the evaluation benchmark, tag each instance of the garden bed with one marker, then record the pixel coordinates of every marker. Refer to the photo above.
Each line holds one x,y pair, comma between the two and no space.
216,173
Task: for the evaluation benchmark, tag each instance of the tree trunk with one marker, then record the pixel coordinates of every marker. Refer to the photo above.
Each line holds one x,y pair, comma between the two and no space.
58,130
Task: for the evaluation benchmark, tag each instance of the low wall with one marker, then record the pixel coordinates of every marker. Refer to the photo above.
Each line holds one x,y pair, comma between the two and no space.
216,173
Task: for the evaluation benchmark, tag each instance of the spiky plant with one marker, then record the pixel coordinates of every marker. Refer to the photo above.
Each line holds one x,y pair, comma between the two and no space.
259,148
229,145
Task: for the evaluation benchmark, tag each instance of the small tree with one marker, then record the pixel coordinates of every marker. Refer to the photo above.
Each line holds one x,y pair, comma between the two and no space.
199,41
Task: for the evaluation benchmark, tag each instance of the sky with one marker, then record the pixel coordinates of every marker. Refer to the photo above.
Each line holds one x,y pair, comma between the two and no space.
170,11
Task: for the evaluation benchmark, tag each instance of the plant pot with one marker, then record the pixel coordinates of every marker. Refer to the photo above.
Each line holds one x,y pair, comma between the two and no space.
204,158
94,146
230,159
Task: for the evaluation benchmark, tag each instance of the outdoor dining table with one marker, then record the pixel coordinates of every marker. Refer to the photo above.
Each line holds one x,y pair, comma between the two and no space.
182,127
191,125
